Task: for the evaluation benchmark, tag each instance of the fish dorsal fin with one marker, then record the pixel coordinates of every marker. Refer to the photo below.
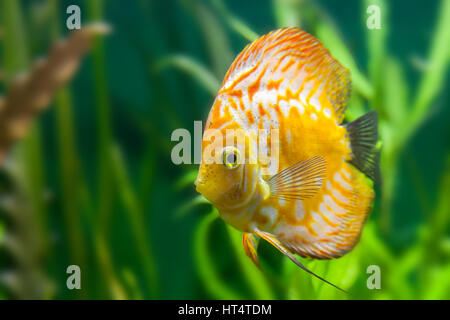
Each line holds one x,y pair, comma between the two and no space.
299,181
295,64
363,133
250,243
277,244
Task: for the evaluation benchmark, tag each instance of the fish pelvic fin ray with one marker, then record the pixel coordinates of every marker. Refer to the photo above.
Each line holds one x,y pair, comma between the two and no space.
363,133
250,243
277,244
299,181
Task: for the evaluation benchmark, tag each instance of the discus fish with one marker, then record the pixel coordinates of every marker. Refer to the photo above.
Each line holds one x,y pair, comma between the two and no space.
317,201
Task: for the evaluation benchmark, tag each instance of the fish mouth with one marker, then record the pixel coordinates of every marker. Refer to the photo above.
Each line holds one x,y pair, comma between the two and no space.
199,181
200,185
205,189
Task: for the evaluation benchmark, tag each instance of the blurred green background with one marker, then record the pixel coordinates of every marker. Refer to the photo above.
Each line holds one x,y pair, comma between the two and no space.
92,184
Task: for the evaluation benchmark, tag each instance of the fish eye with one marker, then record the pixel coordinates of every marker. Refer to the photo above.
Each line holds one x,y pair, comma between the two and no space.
231,157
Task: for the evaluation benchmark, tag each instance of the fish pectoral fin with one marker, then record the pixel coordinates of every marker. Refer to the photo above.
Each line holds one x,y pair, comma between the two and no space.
299,181
250,243
363,133
277,244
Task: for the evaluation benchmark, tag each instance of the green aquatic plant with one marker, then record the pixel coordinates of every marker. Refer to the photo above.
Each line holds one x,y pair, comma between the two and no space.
98,189
384,88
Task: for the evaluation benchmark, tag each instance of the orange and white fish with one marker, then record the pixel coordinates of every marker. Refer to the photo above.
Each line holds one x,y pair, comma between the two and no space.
316,204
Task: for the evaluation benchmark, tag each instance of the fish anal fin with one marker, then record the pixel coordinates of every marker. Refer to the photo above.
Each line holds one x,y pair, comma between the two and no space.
277,244
363,134
299,181
250,243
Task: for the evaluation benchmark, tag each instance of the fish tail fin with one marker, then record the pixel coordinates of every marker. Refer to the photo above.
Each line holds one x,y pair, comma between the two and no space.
250,243
363,133
277,244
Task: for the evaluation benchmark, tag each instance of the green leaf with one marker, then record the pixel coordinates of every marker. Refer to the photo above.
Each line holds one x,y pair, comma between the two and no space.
214,35
190,205
193,68
396,92
235,23
2,232
212,281
186,180
332,41
433,78
136,217
376,41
